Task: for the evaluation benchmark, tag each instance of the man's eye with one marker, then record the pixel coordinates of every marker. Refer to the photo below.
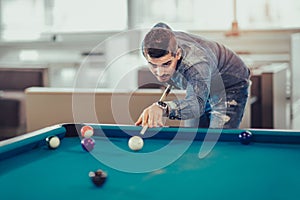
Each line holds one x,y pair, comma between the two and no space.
167,64
152,65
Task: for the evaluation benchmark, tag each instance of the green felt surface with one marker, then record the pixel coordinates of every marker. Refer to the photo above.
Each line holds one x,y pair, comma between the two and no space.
230,171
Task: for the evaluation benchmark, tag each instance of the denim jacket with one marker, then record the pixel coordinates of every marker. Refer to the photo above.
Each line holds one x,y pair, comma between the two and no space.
207,71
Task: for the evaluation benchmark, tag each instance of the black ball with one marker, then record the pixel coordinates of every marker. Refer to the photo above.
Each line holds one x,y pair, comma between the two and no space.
245,137
98,177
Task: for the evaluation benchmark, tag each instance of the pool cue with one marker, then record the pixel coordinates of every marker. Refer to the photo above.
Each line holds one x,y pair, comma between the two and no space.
162,98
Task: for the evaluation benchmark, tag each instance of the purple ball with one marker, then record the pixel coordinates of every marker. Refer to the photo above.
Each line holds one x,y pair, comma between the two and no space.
88,144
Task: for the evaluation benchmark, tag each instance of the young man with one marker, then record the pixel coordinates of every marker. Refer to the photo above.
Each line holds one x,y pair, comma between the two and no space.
216,80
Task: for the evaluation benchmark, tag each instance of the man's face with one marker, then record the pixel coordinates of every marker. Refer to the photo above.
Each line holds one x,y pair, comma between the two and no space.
164,67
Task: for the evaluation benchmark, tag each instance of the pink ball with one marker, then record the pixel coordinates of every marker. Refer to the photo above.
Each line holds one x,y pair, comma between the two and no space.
88,144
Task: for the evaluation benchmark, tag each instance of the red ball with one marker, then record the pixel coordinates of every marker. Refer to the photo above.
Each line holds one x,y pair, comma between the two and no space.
88,144
87,131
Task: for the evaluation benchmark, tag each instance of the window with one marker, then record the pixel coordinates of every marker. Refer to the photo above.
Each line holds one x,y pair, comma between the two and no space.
27,19
22,19
268,14
187,14
217,14
89,15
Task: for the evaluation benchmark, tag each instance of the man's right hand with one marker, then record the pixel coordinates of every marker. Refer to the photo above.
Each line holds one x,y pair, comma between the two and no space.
151,117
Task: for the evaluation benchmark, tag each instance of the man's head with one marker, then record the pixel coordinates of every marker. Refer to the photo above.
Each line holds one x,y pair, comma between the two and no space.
161,50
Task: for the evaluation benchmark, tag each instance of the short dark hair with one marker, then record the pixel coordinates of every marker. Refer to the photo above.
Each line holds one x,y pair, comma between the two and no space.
159,42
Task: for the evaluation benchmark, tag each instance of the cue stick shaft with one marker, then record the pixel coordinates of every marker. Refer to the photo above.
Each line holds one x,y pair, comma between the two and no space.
162,98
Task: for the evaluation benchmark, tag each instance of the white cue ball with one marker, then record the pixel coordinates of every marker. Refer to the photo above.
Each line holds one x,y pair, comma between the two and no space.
53,142
136,143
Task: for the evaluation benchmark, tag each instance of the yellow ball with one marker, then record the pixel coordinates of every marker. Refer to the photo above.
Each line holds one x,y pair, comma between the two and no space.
136,143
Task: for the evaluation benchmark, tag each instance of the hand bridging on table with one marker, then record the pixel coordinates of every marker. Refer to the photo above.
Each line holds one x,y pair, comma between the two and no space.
151,117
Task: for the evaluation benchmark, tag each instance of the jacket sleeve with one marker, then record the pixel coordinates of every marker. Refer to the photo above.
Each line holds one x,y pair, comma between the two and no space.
198,79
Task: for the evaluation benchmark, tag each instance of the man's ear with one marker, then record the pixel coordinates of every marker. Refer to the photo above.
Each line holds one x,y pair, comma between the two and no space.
178,54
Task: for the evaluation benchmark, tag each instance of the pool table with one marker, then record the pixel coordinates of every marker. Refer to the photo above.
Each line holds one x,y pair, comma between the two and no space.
167,167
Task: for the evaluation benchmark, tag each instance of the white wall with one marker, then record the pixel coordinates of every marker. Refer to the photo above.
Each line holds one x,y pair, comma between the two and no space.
121,55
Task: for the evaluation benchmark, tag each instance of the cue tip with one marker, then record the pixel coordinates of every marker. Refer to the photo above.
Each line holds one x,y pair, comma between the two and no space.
162,98
144,130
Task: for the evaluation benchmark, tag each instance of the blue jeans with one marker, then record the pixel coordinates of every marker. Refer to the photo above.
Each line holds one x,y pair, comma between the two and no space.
231,114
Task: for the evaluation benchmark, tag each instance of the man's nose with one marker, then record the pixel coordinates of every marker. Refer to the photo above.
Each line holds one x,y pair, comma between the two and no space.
160,71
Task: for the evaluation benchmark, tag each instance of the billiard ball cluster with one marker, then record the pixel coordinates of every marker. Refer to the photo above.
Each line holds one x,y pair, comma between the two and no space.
87,143
245,137
53,142
98,177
